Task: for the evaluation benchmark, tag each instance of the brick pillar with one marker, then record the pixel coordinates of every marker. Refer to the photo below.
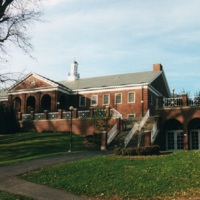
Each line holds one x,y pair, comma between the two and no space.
32,115
184,100
160,102
19,116
103,140
75,113
59,113
107,111
91,111
147,138
45,114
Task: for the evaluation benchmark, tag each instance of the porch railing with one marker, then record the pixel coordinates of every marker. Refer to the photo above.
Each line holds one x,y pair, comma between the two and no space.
154,132
84,114
136,127
173,102
181,101
53,115
112,134
26,117
115,113
194,101
131,133
144,120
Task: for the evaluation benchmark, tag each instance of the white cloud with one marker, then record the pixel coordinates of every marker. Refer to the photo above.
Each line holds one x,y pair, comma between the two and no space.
116,36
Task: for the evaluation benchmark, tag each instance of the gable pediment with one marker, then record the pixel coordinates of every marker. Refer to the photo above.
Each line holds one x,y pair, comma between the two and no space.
33,82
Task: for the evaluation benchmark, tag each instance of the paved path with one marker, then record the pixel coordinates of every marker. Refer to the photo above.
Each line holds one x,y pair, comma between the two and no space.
10,182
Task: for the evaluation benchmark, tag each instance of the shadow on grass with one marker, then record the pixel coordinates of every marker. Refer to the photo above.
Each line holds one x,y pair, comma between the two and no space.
27,146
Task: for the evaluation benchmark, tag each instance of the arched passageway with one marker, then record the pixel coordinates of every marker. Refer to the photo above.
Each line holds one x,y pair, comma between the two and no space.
17,104
174,135
30,104
46,102
194,133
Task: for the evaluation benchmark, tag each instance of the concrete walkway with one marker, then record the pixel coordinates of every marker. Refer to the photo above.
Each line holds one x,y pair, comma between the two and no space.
10,182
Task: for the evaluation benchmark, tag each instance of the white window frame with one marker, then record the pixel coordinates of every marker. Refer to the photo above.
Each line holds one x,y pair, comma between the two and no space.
108,99
116,98
82,105
96,100
129,96
132,114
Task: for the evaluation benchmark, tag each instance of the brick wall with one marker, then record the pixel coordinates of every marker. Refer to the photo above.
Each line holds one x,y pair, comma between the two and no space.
79,126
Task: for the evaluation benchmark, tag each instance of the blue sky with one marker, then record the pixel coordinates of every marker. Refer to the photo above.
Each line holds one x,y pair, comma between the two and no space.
115,37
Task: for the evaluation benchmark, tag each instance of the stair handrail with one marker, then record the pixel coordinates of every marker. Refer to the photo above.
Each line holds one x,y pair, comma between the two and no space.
131,133
136,127
115,113
144,120
112,133
154,132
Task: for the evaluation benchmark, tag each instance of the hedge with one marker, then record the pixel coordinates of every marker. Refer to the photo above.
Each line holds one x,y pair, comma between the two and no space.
134,151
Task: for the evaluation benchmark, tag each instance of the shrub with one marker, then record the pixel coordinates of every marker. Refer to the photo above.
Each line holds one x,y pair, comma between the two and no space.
117,151
131,151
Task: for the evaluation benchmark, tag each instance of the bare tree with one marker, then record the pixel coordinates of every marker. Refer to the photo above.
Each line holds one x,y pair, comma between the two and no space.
16,19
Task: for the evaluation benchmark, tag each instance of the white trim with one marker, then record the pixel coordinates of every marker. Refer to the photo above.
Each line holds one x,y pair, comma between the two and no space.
34,90
120,88
130,92
128,115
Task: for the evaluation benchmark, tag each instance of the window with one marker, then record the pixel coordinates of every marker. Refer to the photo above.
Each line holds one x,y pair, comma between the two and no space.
106,99
94,100
131,97
131,116
118,98
82,101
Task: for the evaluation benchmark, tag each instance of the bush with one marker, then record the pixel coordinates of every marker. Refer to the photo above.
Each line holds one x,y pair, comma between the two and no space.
131,151
117,151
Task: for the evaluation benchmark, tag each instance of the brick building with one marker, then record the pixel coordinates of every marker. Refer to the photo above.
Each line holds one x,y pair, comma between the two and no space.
129,94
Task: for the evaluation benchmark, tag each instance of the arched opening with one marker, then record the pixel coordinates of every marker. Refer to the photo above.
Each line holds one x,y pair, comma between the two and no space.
174,135
194,133
62,103
17,104
30,104
46,102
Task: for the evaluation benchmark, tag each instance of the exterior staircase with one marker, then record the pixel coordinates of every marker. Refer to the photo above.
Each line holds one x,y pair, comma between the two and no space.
134,131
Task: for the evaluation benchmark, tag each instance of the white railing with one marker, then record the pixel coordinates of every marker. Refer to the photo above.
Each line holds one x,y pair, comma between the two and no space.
26,117
112,134
38,116
115,113
154,132
84,114
173,102
194,101
53,115
136,127
144,120
130,134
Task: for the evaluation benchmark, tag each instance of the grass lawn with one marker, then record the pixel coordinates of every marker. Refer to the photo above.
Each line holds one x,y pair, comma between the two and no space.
27,146
8,196
111,177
